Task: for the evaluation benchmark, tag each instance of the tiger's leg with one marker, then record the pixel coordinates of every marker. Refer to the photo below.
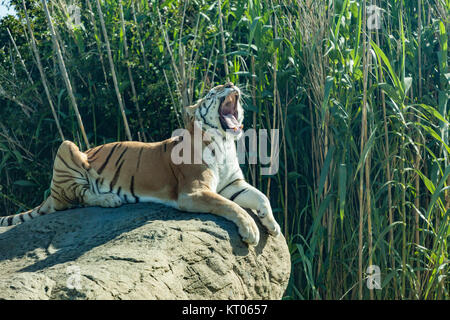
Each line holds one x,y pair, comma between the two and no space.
73,181
247,196
65,186
72,184
206,201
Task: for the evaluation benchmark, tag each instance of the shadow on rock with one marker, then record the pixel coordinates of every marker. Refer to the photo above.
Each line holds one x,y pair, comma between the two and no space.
66,235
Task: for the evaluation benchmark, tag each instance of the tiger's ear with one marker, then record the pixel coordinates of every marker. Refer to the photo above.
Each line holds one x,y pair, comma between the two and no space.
189,113
190,110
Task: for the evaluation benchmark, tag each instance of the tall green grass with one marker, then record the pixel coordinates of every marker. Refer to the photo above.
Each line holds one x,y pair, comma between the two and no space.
363,115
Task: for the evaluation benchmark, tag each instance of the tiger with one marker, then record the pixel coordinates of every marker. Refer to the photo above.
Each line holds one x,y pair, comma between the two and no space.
117,173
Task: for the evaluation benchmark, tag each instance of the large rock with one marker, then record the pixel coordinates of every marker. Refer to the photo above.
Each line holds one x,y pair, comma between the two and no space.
142,251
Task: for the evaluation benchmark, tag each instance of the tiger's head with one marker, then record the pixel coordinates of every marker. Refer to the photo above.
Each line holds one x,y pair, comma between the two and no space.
220,111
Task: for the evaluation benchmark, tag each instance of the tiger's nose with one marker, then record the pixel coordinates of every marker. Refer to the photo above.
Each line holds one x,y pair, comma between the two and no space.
229,84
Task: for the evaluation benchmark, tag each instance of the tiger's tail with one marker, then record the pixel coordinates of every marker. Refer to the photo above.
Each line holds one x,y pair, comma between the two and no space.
41,210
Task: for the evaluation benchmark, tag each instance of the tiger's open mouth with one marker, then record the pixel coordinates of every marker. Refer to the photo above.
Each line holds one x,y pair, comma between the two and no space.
228,114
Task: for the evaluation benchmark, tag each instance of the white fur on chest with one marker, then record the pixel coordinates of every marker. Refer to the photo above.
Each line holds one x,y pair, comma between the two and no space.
223,162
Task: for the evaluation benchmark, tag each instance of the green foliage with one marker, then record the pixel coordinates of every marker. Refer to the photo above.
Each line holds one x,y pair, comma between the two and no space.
301,67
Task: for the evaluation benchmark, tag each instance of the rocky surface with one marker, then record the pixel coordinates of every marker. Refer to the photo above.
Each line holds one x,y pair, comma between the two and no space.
141,251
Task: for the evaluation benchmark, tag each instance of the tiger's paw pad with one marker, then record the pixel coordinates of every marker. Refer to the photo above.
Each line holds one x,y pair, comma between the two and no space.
110,200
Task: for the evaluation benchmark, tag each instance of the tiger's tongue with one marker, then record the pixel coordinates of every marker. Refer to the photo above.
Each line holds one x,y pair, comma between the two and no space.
232,123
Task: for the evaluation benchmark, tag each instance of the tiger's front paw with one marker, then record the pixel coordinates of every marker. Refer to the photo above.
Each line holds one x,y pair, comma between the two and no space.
249,231
275,229
109,200
267,219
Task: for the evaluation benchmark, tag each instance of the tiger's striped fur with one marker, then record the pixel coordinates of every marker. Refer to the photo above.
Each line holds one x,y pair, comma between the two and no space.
131,172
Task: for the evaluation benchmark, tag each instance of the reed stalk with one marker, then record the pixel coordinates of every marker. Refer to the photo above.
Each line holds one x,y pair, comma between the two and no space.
113,72
362,145
418,158
130,75
42,73
387,161
222,38
97,41
22,62
64,73
138,32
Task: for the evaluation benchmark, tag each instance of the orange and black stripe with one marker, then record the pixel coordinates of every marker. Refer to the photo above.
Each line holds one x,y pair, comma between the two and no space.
105,163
